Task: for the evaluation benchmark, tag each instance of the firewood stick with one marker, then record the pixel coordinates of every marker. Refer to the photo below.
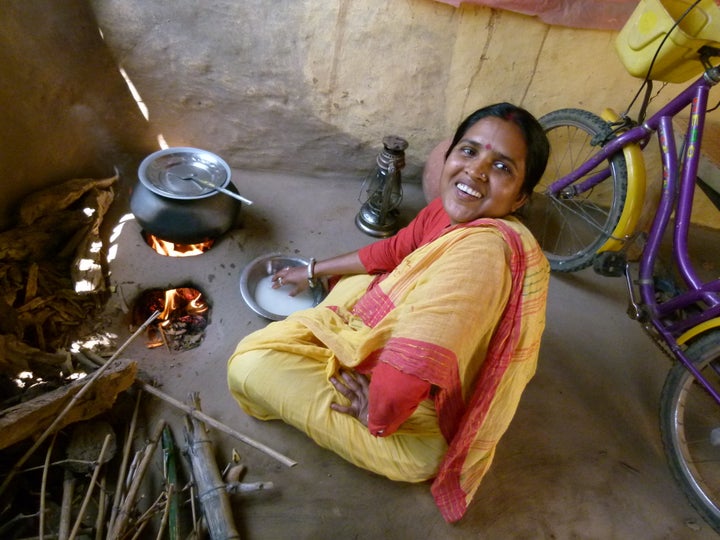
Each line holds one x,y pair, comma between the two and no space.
102,507
43,485
140,529
150,512
93,356
199,415
135,477
134,464
84,361
66,505
147,516
164,337
61,462
247,487
91,487
166,512
124,511
196,522
86,387
170,468
213,497
124,463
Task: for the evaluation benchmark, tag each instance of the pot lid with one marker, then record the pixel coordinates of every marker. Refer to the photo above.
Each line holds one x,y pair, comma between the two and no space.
184,173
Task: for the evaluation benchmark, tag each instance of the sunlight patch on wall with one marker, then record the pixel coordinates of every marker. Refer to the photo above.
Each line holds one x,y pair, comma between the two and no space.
115,236
135,94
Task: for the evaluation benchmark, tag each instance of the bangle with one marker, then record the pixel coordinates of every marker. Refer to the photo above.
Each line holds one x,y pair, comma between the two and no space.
311,272
311,268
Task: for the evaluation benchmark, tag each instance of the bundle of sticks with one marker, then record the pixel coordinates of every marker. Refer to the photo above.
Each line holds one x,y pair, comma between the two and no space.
104,495
130,511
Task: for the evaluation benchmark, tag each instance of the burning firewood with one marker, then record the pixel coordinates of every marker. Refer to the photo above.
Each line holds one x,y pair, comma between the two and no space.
182,321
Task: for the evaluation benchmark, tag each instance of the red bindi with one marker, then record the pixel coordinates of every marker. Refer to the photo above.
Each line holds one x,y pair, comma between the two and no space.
488,146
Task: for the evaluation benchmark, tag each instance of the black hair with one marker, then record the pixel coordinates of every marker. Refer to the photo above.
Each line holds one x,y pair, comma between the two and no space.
538,146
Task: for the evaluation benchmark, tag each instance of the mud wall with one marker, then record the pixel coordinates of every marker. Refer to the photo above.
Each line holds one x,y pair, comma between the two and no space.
306,86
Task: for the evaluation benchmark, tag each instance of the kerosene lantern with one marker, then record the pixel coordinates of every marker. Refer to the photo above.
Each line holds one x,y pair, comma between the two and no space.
378,216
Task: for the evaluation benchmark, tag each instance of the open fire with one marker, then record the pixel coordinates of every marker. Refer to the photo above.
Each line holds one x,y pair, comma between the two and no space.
173,249
184,315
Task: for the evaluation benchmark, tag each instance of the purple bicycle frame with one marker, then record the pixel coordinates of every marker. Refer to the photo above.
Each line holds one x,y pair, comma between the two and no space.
677,194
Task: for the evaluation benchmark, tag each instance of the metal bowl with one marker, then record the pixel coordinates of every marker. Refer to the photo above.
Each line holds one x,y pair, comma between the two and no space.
184,173
267,265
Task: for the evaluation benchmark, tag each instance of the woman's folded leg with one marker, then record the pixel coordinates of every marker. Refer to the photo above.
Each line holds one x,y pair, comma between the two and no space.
270,384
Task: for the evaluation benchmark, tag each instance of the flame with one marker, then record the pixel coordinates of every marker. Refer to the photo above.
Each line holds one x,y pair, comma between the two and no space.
170,304
197,305
184,304
172,249
174,298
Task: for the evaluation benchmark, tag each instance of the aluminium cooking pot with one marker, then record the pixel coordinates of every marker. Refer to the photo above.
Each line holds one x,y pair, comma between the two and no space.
175,199
184,221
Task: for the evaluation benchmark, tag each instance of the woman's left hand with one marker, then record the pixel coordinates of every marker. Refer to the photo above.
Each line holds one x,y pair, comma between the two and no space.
355,387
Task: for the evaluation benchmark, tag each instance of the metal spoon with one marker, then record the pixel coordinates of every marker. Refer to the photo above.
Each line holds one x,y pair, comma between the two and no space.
216,188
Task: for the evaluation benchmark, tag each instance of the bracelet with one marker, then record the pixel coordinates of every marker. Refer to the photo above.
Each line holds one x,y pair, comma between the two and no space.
311,272
311,268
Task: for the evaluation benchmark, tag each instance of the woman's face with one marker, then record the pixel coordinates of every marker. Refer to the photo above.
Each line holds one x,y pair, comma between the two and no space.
484,173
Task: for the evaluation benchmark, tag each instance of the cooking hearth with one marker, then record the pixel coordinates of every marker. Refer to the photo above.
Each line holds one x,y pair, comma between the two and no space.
184,315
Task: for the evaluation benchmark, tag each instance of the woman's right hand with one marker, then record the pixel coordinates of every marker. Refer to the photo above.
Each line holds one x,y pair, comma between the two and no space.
291,275
341,265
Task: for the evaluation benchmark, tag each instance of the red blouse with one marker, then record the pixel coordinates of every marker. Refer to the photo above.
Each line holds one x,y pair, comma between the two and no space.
384,255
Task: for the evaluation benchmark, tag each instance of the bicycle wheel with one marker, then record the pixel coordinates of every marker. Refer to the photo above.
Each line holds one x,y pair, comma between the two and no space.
573,225
690,428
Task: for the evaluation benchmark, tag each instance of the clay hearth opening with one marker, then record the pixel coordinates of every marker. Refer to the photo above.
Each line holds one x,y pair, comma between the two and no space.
184,315
174,249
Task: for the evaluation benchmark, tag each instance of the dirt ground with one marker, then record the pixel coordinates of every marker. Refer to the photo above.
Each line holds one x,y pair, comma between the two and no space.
582,458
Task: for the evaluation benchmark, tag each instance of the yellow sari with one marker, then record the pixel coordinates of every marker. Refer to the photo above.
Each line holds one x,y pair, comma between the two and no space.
464,312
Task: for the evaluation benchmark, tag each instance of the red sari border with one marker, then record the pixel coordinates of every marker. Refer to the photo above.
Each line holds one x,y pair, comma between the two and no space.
449,495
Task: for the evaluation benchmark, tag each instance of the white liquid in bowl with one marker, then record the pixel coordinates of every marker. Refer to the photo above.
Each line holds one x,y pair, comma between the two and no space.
279,301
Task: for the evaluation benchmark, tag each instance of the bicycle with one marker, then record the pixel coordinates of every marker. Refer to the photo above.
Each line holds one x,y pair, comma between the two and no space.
585,212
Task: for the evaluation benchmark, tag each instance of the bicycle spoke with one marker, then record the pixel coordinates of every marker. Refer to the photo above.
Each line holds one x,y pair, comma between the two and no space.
572,225
583,212
690,427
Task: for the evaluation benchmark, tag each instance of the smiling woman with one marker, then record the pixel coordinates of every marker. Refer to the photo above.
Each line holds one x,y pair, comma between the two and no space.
414,364
484,172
